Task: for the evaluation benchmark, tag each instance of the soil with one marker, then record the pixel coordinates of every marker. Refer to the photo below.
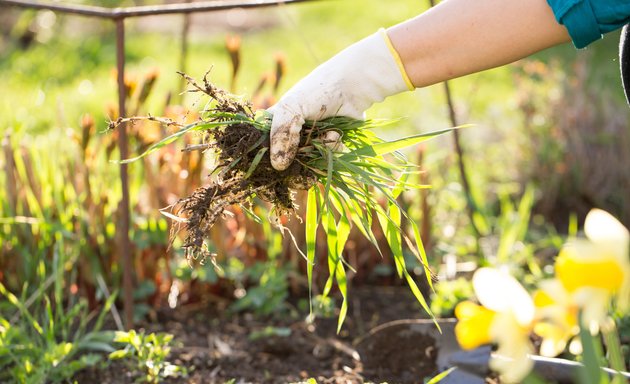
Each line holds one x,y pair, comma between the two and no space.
217,347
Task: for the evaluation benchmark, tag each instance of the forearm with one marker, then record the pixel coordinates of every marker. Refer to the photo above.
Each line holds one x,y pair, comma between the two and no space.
460,37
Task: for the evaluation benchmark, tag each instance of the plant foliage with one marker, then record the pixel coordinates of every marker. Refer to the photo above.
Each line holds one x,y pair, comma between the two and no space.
353,185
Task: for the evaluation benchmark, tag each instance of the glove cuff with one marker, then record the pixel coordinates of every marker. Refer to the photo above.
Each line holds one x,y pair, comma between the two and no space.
371,70
397,59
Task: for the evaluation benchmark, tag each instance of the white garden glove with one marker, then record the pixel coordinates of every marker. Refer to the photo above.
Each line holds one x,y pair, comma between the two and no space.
346,85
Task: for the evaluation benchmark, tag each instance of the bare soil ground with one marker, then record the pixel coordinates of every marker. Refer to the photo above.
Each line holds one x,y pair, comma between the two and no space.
217,347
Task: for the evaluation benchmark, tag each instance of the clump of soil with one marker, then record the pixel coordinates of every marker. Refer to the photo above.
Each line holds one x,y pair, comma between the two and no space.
243,169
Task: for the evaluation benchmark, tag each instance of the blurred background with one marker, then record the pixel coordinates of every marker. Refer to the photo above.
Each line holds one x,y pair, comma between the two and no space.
549,141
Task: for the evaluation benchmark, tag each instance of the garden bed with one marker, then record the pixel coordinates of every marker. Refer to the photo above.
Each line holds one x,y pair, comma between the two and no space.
216,347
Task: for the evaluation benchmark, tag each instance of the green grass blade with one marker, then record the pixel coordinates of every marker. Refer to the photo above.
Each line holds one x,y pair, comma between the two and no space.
615,352
224,170
331,239
394,235
392,146
343,232
256,161
591,371
106,308
342,283
439,377
400,185
49,323
360,216
390,221
258,143
329,171
197,126
420,298
422,253
251,214
311,237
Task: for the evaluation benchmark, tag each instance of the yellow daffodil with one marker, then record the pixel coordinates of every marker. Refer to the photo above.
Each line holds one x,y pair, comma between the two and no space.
505,317
589,273
473,327
558,317
596,269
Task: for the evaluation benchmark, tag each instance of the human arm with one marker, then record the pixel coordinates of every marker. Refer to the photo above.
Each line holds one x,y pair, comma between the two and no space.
460,37
453,39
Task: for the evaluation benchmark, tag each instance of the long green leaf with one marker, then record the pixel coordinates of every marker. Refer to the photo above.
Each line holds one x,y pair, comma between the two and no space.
311,237
343,288
422,253
331,238
420,298
614,351
361,217
393,234
395,145
390,221
591,373
343,232
251,214
439,377
329,170
256,161
197,126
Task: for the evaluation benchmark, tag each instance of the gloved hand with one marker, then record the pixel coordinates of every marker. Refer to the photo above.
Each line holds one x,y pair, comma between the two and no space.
346,85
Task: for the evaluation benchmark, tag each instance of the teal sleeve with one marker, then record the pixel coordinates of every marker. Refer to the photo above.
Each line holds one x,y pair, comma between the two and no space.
588,20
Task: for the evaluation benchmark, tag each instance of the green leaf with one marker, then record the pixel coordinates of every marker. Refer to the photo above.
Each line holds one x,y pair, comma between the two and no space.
400,185
197,126
270,332
311,237
422,253
329,171
120,354
96,346
361,216
343,288
439,377
615,353
123,337
251,214
335,265
533,378
258,143
420,298
333,259
395,145
50,321
393,234
591,373
390,221
256,161
343,232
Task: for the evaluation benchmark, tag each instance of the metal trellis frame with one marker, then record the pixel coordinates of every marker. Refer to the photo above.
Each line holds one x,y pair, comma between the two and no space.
118,16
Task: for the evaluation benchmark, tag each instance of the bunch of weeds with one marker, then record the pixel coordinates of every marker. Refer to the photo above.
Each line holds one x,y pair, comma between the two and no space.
55,203
344,182
46,338
146,355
